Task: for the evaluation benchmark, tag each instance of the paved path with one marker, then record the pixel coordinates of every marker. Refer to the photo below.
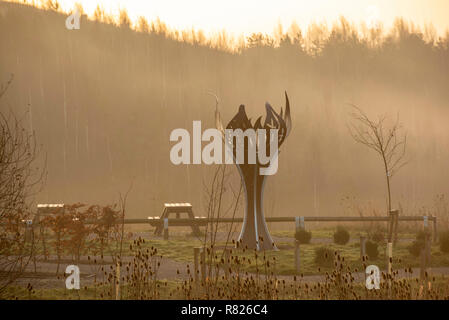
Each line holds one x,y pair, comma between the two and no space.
44,276
43,273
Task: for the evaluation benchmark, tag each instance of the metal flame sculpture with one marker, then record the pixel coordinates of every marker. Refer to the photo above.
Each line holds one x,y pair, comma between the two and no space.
254,225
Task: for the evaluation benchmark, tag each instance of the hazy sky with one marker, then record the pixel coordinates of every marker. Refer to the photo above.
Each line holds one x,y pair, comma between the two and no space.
247,16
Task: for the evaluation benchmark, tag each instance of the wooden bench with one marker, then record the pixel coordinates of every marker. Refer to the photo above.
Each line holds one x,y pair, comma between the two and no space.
176,208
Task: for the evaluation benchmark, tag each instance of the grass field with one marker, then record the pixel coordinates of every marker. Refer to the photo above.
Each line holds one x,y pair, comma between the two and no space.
168,288
179,250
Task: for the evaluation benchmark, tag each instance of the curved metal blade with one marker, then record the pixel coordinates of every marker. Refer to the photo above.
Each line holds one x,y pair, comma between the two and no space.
287,117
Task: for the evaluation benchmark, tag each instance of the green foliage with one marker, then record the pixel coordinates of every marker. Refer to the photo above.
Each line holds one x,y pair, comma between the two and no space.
444,242
341,236
324,257
372,249
303,236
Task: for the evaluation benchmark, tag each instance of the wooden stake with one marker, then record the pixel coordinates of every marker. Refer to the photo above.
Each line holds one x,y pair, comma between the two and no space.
117,282
362,247
435,233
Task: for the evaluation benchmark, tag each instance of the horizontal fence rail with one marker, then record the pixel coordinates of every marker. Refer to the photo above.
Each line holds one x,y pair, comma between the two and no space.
203,221
154,221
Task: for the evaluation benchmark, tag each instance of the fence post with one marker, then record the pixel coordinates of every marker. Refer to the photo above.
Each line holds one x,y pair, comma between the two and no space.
435,231
425,257
299,223
117,282
165,228
29,234
362,247
196,253
297,257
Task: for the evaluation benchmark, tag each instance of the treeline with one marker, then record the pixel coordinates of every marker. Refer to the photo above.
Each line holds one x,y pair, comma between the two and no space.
316,38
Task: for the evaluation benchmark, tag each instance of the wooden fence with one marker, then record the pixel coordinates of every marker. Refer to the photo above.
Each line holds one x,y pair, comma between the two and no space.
392,221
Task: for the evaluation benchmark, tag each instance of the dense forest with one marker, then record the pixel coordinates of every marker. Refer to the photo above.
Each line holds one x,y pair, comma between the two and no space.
103,100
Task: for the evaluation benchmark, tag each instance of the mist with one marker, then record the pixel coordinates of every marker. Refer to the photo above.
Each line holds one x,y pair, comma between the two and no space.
103,100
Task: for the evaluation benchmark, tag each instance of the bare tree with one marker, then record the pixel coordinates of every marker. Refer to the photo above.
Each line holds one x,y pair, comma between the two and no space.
387,141
19,180
222,200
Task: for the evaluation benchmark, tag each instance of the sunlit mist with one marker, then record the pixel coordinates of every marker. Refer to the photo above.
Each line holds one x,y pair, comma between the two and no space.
246,17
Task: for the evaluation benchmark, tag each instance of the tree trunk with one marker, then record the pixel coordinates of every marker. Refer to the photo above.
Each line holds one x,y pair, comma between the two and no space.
387,175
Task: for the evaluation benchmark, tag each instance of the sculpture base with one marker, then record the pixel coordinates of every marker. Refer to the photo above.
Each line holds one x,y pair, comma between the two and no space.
254,234
247,240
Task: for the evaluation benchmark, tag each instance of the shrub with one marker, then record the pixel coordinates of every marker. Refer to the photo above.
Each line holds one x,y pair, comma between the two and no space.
341,236
371,249
421,235
418,244
377,236
444,242
324,257
416,247
303,236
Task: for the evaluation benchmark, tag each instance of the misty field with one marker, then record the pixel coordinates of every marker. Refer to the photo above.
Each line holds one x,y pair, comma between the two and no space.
155,268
